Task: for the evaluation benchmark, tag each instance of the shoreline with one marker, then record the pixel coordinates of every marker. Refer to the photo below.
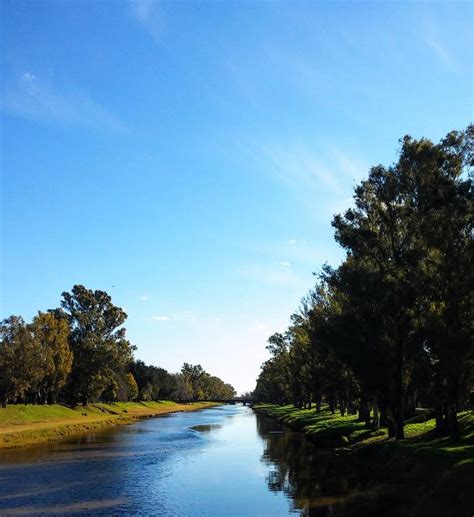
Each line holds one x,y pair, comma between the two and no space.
25,426
420,475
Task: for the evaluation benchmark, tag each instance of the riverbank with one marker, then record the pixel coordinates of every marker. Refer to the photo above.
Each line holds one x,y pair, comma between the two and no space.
22,425
422,474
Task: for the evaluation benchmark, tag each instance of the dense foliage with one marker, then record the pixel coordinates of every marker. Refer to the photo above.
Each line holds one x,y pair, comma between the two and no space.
79,353
392,326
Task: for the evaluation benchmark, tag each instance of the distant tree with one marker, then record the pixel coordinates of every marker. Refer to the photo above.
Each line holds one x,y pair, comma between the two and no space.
154,383
191,374
214,388
181,390
132,387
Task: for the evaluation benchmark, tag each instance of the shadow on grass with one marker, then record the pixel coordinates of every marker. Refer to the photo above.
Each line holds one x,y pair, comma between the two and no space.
333,429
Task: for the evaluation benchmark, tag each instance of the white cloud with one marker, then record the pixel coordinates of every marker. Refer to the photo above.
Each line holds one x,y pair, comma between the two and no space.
298,165
29,78
144,297
146,12
259,328
348,165
301,253
284,263
185,316
272,275
30,98
316,174
160,318
440,51
142,9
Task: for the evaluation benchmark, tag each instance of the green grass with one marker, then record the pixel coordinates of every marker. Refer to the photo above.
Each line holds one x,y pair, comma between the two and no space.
422,440
22,425
324,428
334,430
20,414
424,474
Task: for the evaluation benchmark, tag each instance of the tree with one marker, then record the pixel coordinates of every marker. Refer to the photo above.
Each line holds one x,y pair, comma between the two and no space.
394,322
132,387
21,362
10,331
191,375
442,218
51,335
273,384
97,341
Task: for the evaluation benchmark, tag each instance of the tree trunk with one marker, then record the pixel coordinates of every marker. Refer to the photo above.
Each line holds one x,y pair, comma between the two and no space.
318,402
410,406
398,405
391,424
376,420
451,413
342,407
399,424
452,420
364,412
441,427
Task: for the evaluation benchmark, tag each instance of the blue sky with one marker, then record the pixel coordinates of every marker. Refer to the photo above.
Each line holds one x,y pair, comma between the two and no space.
187,157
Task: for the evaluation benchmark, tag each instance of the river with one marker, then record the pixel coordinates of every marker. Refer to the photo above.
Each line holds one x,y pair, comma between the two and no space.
221,461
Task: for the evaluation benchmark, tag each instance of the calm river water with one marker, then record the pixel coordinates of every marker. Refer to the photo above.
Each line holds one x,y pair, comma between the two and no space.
219,461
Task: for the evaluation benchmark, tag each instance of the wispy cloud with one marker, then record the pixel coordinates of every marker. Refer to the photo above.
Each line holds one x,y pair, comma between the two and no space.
300,253
142,9
440,51
435,37
185,316
259,328
148,14
272,275
189,317
144,297
316,174
299,166
30,98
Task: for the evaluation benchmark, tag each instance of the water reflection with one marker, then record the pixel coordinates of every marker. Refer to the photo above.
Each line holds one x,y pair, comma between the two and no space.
205,428
216,462
314,480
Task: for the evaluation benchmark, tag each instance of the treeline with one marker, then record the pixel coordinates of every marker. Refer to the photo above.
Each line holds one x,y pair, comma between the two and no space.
79,353
192,383
391,327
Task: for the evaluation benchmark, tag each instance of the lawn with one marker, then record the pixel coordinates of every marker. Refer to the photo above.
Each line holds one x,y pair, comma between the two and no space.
22,425
333,430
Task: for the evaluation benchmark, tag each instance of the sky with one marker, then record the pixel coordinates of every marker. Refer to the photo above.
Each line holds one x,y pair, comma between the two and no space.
187,157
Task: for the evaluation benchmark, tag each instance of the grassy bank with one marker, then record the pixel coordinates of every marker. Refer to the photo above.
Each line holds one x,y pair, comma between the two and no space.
22,425
422,474
333,430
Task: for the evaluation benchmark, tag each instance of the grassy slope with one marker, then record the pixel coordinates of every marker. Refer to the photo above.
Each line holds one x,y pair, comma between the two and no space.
22,425
327,429
421,475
